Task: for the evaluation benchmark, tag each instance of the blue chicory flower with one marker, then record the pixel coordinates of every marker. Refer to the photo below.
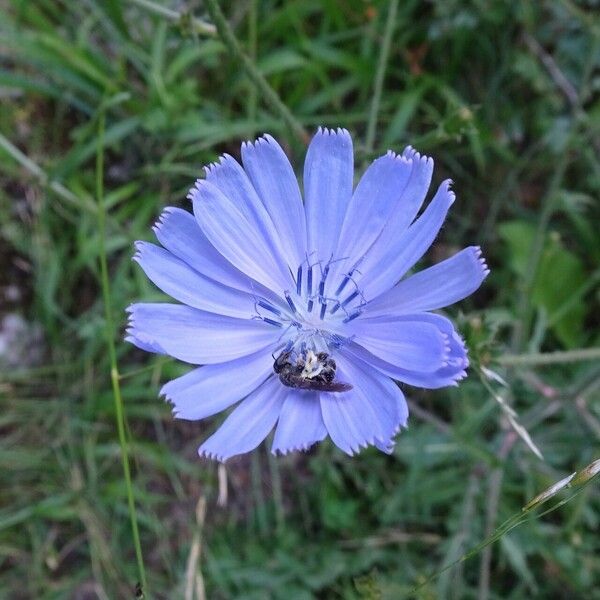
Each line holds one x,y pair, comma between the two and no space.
294,308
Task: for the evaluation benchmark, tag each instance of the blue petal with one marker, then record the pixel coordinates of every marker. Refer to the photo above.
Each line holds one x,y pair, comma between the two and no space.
413,196
144,344
273,178
328,179
439,286
387,446
196,336
248,425
178,231
300,423
207,390
233,182
448,375
246,240
177,279
457,359
373,410
406,249
413,345
385,201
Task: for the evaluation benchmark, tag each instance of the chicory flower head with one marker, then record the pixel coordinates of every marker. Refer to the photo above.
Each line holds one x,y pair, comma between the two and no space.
300,312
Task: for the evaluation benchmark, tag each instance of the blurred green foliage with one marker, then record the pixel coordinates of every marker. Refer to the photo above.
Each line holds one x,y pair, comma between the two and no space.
504,96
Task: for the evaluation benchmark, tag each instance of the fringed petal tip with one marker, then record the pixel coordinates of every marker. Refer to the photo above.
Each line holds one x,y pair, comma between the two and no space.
286,451
384,445
210,455
459,361
481,260
376,442
140,248
142,341
446,350
407,160
446,187
162,219
129,337
193,193
138,338
327,131
176,413
387,446
264,139
212,169
130,311
411,157
165,395
410,154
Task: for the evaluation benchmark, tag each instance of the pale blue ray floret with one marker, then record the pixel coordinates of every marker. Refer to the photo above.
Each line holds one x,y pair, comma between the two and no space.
301,312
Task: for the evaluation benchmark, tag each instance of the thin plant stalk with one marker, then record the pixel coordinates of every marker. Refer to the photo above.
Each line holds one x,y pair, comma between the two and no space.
269,95
380,76
549,358
110,339
198,26
57,187
577,482
252,50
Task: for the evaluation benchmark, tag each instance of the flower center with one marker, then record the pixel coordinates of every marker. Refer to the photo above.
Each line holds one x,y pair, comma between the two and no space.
312,318
325,298
314,283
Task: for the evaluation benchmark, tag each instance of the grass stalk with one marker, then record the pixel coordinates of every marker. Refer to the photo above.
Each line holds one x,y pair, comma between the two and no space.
198,26
549,358
252,49
110,339
380,76
270,96
577,482
58,188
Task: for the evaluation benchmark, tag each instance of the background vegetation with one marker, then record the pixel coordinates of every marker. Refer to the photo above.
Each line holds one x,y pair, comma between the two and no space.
504,95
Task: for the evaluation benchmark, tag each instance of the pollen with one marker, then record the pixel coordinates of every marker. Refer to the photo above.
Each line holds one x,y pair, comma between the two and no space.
312,366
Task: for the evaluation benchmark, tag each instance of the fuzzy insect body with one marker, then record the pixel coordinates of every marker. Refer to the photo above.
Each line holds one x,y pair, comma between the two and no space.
309,371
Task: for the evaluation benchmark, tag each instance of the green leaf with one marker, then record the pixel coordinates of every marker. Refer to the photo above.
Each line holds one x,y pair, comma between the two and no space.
559,274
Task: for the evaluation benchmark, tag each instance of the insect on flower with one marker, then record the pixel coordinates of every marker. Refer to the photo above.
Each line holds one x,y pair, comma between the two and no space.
303,312
315,372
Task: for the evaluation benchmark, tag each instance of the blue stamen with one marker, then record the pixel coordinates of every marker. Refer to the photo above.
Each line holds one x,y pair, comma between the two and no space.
323,309
336,307
352,316
323,279
290,301
310,305
272,322
350,298
299,281
344,283
309,283
267,306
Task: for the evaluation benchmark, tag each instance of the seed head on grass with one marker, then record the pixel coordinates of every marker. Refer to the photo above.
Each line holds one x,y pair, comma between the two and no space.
301,311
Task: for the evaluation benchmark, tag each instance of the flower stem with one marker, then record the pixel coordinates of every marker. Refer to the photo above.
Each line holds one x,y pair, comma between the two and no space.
110,339
380,76
269,94
549,358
